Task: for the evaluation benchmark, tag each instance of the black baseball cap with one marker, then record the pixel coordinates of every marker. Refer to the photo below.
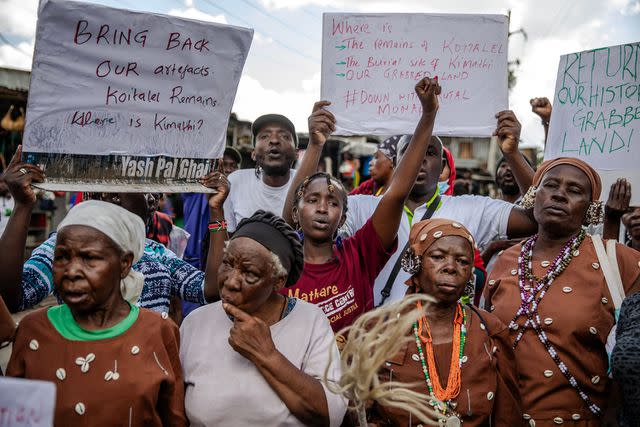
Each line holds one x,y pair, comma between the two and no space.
264,120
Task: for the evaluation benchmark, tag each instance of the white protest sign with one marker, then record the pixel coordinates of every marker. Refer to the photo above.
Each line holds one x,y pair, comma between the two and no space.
371,63
26,402
596,112
143,95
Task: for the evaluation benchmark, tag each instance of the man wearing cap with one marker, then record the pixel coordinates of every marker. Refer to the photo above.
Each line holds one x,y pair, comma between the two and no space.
231,161
275,143
487,219
380,168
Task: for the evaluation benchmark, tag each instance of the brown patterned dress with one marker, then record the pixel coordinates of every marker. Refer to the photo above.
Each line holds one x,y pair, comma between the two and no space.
577,314
489,393
134,379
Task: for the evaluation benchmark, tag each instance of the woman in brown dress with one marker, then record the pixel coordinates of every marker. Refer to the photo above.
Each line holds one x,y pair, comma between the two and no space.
112,362
459,355
551,292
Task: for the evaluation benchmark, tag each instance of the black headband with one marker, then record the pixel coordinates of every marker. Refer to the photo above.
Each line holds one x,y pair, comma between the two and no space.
271,238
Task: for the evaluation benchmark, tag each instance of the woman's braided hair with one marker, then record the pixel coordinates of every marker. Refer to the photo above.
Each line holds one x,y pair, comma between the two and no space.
332,182
279,224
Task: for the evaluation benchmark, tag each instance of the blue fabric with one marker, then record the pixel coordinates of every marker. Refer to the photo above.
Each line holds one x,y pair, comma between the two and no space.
196,220
165,275
188,307
291,303
443,186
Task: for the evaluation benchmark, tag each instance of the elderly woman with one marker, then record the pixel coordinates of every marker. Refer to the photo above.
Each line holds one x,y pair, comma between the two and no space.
256,356
97,347
552,293
459,355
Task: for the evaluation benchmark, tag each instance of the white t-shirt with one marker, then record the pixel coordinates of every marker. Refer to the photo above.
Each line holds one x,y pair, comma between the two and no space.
484,217
248,194
223,388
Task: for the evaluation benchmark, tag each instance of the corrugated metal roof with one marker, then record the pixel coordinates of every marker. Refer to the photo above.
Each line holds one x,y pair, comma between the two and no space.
14,79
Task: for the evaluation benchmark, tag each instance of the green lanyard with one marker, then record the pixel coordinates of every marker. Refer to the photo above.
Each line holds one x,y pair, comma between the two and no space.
409,214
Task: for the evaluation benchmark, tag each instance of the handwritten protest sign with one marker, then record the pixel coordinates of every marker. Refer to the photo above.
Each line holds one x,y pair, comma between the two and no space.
128,97
26,402
596,112
371,63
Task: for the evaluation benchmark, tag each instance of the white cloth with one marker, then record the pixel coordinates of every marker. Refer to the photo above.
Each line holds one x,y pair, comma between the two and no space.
596,230
225,389
178,239
248,194
123,227
484,217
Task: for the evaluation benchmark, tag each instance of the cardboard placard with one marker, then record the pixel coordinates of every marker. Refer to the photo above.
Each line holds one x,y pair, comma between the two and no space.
26,402
371,63
596,113
128,100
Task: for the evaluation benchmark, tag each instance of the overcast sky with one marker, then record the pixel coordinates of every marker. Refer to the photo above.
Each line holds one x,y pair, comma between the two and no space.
282,73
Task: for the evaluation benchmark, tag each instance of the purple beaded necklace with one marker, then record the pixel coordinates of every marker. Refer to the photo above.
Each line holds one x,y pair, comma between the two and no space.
530,287
528,301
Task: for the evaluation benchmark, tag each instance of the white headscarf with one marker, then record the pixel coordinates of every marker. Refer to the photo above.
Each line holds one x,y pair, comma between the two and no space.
123,227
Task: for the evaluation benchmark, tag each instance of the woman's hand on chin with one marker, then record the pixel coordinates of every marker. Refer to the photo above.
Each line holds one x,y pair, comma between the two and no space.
249,336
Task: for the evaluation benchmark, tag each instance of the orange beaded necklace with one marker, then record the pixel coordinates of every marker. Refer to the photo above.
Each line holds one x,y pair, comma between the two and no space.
459,336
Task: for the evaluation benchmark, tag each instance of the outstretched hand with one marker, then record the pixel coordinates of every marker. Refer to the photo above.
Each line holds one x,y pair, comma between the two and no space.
249,336
508,131
322,123
542,107
19,176
619,199
216,181
428,90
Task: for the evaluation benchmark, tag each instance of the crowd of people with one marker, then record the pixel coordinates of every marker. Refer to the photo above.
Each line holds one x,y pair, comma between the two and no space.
524,308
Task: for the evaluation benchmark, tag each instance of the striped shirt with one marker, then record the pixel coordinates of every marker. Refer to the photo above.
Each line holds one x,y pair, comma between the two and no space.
165,275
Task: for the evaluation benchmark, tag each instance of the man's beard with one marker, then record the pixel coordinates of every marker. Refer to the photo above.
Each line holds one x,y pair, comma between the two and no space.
510,190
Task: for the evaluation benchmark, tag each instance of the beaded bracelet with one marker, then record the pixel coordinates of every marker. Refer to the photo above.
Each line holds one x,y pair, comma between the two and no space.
215,226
